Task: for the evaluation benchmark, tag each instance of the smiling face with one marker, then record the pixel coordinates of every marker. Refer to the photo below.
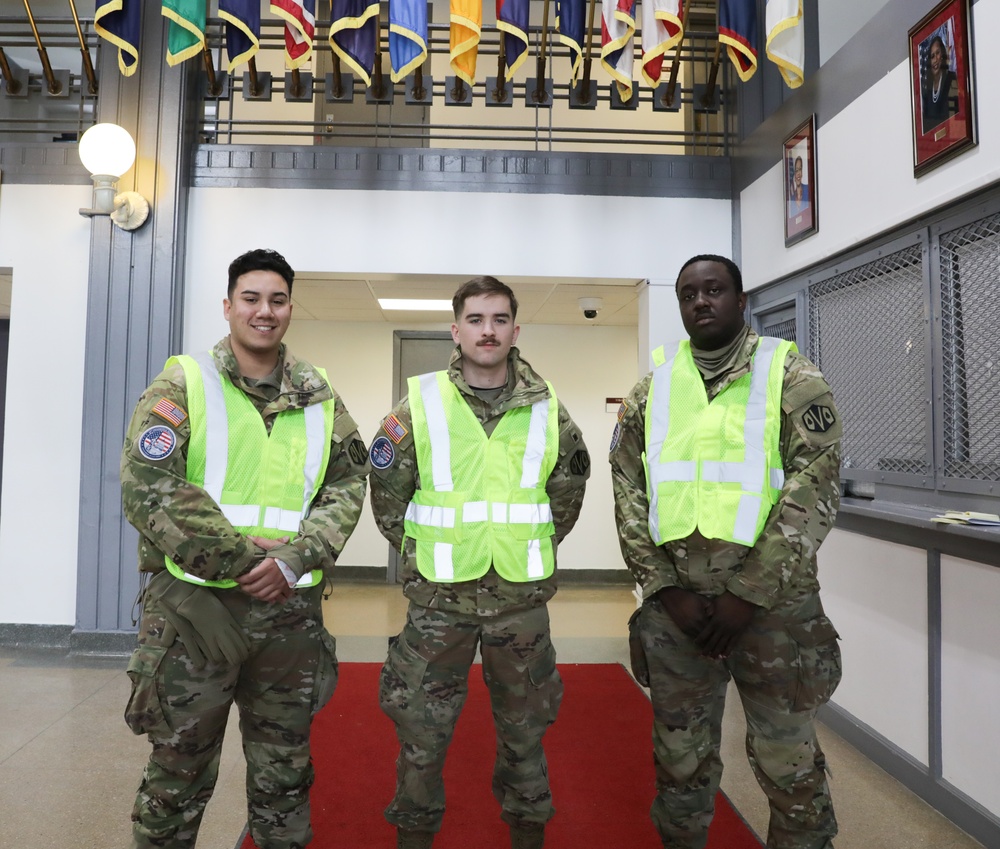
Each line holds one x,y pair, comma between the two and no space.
258,311
938,59
711,307
485,331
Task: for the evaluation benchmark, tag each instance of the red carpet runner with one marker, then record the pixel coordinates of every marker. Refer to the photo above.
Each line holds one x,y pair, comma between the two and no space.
600,764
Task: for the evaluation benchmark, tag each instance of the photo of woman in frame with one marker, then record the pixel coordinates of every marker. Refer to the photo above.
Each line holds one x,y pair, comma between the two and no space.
938,99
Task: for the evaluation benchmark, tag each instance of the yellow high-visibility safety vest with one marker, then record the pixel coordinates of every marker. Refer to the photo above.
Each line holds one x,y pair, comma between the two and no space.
482,499
714,466
263,483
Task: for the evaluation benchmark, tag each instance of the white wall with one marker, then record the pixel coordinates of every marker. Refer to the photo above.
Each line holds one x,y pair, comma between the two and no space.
864,157
970,679
46,243
876,594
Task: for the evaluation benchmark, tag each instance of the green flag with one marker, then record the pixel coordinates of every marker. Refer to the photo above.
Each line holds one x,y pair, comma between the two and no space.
186,28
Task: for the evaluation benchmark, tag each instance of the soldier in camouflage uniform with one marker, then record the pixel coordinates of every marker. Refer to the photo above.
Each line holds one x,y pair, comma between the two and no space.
714,609
425,678
259,642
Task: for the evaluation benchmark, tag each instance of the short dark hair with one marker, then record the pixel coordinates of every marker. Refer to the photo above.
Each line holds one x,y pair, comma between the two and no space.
482,286
731,267
261,259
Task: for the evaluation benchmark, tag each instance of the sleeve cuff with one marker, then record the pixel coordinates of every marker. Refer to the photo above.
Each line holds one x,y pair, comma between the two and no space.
286,570
754,595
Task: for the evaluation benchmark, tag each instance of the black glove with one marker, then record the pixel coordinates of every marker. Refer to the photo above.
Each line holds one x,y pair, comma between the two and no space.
200,620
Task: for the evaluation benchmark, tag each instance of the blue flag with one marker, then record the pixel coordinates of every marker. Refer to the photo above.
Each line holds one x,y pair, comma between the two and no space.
407,36
242,19
738,31
571,21
353,33
119,22
512,21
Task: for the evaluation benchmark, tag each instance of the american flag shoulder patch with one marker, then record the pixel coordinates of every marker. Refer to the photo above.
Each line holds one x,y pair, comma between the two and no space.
622,410
168,410
394,429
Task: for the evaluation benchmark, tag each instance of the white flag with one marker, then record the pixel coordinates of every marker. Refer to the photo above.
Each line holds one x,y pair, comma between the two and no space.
786,44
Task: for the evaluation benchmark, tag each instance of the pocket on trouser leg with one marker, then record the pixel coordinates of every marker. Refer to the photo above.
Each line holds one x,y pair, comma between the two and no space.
144,711
401,681
545,686
327,672
818,662
636,653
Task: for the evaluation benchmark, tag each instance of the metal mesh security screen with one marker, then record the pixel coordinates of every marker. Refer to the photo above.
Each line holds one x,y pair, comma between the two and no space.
970,323
783,328
867,334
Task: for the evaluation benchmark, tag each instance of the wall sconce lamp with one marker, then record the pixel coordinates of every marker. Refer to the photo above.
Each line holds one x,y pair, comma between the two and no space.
107,151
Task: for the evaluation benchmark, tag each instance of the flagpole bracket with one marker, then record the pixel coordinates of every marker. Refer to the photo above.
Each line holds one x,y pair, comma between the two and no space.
222,87
346,94
616,99
701,103
60,87
454,86
583,95
385,96
539,96
265,87
660,99
496,97
424,96
304,92
19,87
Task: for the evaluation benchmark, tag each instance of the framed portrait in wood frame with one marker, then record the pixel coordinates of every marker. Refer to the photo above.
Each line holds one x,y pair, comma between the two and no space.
941,85
799,175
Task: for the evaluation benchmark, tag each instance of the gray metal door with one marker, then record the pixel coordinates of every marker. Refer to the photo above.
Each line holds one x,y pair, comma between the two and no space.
414,352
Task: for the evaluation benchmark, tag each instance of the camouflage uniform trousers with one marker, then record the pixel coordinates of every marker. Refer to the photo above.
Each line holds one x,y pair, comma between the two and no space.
423,686
785,666
290,674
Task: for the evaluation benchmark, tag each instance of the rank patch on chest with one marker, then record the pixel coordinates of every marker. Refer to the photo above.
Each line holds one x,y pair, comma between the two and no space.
168,410
394,429
818,419
157,442
382,453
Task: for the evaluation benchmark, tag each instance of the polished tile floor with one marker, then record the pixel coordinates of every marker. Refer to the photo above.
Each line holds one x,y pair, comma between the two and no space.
69,766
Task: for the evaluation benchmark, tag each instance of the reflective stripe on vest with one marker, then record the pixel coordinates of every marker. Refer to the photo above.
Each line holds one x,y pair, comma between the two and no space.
459,534
696,499
209,458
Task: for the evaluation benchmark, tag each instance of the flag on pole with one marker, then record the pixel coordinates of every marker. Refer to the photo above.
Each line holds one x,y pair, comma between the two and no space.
786,42
466,25
242,19
512,21
119,22
571,21
407,36
353,30
185,28
617,29
300,27
738,31
662,30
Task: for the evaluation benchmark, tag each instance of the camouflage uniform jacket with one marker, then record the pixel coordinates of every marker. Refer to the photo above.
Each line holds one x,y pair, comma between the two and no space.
393,487
781,566
178,518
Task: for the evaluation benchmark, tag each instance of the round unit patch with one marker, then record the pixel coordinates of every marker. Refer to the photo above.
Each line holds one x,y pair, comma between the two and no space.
157,442
382,453
615,436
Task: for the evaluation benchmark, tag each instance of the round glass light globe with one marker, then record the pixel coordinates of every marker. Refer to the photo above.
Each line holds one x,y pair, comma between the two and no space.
107,149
